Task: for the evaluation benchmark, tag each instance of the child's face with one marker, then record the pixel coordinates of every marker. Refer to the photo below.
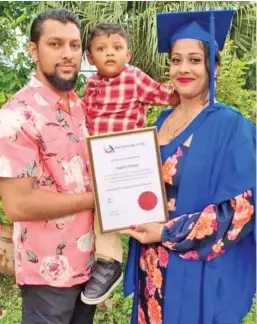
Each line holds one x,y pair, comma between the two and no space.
109,53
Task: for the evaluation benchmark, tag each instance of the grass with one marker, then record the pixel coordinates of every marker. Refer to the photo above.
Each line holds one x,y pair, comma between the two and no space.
10,301
116,310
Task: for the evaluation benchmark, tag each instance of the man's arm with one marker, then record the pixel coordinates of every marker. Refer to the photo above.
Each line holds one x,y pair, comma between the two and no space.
24,203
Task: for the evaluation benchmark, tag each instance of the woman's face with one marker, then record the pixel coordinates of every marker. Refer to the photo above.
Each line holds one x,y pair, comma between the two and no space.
188,68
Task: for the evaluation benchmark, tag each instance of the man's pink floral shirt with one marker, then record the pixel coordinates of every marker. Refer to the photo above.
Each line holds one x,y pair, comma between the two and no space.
39,139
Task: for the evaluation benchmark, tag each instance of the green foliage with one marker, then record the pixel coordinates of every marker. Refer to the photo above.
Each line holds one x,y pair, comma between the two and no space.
152,115
231,88
80,85
139,19
231,84
243,31
250,318
13,76
3,218
116,310
251,75
10,301
15,65
15,18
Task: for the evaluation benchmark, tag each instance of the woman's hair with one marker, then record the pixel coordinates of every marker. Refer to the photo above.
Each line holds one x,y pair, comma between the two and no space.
105,29
206,50
206,55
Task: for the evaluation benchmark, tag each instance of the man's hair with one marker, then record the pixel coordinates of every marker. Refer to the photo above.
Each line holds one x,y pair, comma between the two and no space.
105,29
61,15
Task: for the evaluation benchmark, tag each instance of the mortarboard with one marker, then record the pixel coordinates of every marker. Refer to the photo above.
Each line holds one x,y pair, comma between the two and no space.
210,27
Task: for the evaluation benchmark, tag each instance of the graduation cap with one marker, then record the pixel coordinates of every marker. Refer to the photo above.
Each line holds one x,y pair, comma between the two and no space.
210,27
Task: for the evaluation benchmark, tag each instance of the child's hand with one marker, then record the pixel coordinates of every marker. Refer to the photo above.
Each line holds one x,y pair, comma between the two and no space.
175,99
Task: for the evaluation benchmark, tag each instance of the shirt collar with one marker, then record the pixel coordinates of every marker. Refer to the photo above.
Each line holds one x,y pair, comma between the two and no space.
48,94
106,79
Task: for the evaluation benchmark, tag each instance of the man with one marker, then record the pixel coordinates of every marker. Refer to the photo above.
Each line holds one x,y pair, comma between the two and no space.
44,180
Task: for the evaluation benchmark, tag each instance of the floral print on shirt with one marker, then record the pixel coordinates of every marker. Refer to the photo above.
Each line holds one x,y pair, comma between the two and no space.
39,139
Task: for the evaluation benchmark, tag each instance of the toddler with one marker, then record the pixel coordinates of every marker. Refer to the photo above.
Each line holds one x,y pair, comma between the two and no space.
116,99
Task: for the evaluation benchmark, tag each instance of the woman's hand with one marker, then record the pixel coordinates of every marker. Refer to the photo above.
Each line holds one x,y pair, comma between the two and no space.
147,233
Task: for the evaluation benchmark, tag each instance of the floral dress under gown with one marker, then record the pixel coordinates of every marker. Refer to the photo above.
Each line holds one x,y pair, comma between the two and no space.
183,239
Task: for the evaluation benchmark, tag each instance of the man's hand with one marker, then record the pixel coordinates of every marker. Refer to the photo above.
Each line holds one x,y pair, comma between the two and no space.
145,234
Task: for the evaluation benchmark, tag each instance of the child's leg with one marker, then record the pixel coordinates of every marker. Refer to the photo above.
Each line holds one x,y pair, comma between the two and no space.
107,272
108,246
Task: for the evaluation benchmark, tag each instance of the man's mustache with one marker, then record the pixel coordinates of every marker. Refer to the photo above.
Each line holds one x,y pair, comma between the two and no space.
66,64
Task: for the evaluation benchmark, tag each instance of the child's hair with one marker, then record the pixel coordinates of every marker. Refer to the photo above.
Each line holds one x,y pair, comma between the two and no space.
105,29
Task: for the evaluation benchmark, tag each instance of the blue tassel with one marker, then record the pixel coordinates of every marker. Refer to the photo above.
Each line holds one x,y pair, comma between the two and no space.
212,60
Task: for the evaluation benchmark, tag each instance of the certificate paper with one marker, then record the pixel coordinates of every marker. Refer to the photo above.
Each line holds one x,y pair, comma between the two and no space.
127,179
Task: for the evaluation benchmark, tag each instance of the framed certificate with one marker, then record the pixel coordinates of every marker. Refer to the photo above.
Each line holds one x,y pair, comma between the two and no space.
127,179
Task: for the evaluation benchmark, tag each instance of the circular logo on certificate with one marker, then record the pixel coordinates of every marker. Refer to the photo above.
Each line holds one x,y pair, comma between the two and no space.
109,149
147,200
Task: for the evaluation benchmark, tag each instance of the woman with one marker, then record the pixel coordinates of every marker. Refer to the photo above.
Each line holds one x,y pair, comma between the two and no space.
199,268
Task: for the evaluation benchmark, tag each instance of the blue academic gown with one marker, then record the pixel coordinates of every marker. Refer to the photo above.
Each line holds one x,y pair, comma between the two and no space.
219,166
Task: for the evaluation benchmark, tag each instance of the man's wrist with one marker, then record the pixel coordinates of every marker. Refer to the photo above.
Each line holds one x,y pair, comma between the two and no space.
89,200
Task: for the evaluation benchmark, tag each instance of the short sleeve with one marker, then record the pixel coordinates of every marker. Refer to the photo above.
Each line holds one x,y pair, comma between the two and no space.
19,150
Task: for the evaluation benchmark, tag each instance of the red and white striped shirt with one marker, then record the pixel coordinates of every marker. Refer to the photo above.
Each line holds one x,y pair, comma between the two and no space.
120,103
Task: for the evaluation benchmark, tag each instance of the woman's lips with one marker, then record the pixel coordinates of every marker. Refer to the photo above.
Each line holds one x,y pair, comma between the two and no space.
185,80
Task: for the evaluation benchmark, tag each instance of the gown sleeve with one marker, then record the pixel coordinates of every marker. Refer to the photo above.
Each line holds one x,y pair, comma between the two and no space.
209,233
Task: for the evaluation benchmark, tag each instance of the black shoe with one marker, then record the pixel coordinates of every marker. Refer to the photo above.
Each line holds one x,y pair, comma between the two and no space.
104,279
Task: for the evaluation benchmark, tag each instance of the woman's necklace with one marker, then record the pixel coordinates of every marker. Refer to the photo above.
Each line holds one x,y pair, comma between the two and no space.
172,133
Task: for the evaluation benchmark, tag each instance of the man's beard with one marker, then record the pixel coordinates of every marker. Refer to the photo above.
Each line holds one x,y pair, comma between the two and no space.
61,84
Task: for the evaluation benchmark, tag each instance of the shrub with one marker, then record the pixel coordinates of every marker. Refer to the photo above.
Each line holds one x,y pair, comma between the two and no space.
231,83
3,218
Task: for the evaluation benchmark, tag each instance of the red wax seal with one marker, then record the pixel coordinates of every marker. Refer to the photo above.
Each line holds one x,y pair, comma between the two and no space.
147,200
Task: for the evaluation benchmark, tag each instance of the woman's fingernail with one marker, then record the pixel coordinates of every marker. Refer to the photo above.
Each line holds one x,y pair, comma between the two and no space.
133,227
